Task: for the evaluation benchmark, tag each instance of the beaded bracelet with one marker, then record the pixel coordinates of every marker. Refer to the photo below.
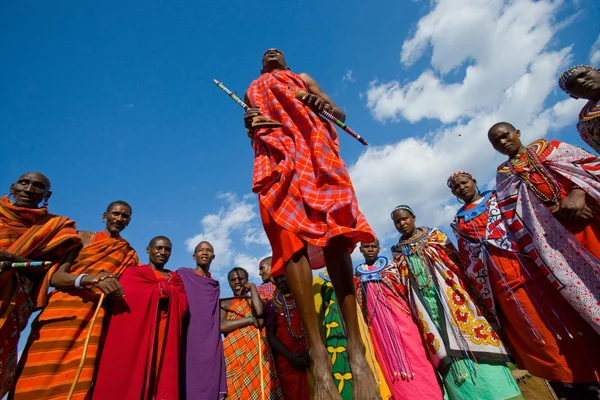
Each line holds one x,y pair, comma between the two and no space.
251,320
78,281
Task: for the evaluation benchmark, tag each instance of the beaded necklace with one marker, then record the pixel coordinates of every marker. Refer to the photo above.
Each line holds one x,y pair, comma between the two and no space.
413,250
534,163
282,304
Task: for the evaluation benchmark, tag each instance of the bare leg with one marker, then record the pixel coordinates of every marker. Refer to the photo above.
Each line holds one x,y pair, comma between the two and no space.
299,277
339,266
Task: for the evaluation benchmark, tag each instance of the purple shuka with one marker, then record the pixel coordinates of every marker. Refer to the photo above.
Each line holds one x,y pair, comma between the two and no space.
205,377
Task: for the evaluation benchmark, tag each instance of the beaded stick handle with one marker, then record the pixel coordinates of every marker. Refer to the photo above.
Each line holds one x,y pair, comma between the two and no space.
27,264
231,94
301,93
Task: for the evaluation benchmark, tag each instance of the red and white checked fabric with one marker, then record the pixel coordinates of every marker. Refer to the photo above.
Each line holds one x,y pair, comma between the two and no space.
298,174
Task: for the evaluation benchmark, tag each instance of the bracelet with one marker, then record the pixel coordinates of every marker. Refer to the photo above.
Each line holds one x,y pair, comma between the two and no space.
78,281
251,320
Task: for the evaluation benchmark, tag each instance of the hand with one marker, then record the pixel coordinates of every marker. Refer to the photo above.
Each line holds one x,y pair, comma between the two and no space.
315,103
250,286
253,321
109,284
7,256
301,361
250,114
573,207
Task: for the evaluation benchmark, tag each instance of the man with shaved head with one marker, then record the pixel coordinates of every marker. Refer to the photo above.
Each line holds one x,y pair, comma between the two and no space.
204,347
266,289
144,343
549,194
28,233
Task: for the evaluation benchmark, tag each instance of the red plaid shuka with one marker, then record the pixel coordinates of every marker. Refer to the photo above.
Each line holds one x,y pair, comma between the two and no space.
303,187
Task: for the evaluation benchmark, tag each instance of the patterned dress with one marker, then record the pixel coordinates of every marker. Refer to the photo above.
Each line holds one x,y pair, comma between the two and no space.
304,190
465,349
534,319
242,358
589,124
567,252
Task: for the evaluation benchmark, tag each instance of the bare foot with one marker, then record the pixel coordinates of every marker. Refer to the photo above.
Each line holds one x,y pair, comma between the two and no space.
324,388
364,386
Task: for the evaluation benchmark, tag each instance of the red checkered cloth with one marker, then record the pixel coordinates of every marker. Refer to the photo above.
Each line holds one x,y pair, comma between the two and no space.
302,183
265,291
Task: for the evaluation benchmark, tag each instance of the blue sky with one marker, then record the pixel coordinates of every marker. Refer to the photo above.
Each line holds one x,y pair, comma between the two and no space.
115,100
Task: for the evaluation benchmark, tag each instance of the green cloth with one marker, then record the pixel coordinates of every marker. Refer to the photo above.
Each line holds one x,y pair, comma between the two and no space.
494,381
334,337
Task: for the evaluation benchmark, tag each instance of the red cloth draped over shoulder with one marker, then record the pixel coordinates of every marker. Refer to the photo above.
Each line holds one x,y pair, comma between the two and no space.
127,369
304,190
58,334
35,234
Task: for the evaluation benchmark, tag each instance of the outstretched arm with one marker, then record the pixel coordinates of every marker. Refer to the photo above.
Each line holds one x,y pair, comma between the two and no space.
314,88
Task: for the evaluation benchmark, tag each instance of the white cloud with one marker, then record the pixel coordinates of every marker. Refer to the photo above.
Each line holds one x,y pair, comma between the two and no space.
595,52
348,76
489,61
496,41
236,234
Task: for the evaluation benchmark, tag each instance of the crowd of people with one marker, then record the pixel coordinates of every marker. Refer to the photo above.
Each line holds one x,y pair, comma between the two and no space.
518,297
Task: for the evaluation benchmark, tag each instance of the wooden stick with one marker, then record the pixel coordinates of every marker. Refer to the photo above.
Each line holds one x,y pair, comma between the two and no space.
260,357
85,347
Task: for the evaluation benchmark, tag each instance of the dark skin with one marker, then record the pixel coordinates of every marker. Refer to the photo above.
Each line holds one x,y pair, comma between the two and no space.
116,219
204,254
405,223
238,282
300,361
339,266
264,270
584,83
159,252
465,189
370,251
315,99
507,140
29,191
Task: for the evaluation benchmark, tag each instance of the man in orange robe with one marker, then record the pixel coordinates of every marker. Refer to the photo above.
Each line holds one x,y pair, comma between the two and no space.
51,359
307,206
248,359
549,193
141,356
28,233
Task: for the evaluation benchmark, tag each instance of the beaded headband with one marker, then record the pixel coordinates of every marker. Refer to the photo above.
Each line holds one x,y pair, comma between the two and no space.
562,81
402,207
456,175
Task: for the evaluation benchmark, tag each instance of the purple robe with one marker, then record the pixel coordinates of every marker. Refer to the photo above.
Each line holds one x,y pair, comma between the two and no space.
205,377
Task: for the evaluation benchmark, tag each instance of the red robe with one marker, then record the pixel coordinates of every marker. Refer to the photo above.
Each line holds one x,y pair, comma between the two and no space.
140,358
304,190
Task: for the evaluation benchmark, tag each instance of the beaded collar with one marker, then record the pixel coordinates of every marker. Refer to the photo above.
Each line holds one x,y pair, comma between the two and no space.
476,211
374,274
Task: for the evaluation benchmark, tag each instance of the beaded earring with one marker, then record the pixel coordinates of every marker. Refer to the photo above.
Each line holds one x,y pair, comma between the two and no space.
45,203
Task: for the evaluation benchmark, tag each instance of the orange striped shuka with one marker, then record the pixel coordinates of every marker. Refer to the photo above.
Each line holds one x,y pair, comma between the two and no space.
55,347
35,234
242,360
304,191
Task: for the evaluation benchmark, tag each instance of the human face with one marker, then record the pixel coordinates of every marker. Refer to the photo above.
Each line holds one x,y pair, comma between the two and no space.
264,270
204,255
281,283
30,190
464,188
584,84
160,252
117,218
404,222
273,59
237,282
506,140
370,251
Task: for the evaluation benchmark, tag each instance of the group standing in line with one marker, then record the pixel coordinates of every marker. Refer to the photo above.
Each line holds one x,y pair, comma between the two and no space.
433,319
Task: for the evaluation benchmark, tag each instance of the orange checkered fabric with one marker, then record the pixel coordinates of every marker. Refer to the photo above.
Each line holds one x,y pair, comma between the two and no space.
302,183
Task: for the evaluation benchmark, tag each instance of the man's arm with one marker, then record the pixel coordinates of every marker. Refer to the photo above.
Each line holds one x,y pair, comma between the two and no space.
314,88
232,325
